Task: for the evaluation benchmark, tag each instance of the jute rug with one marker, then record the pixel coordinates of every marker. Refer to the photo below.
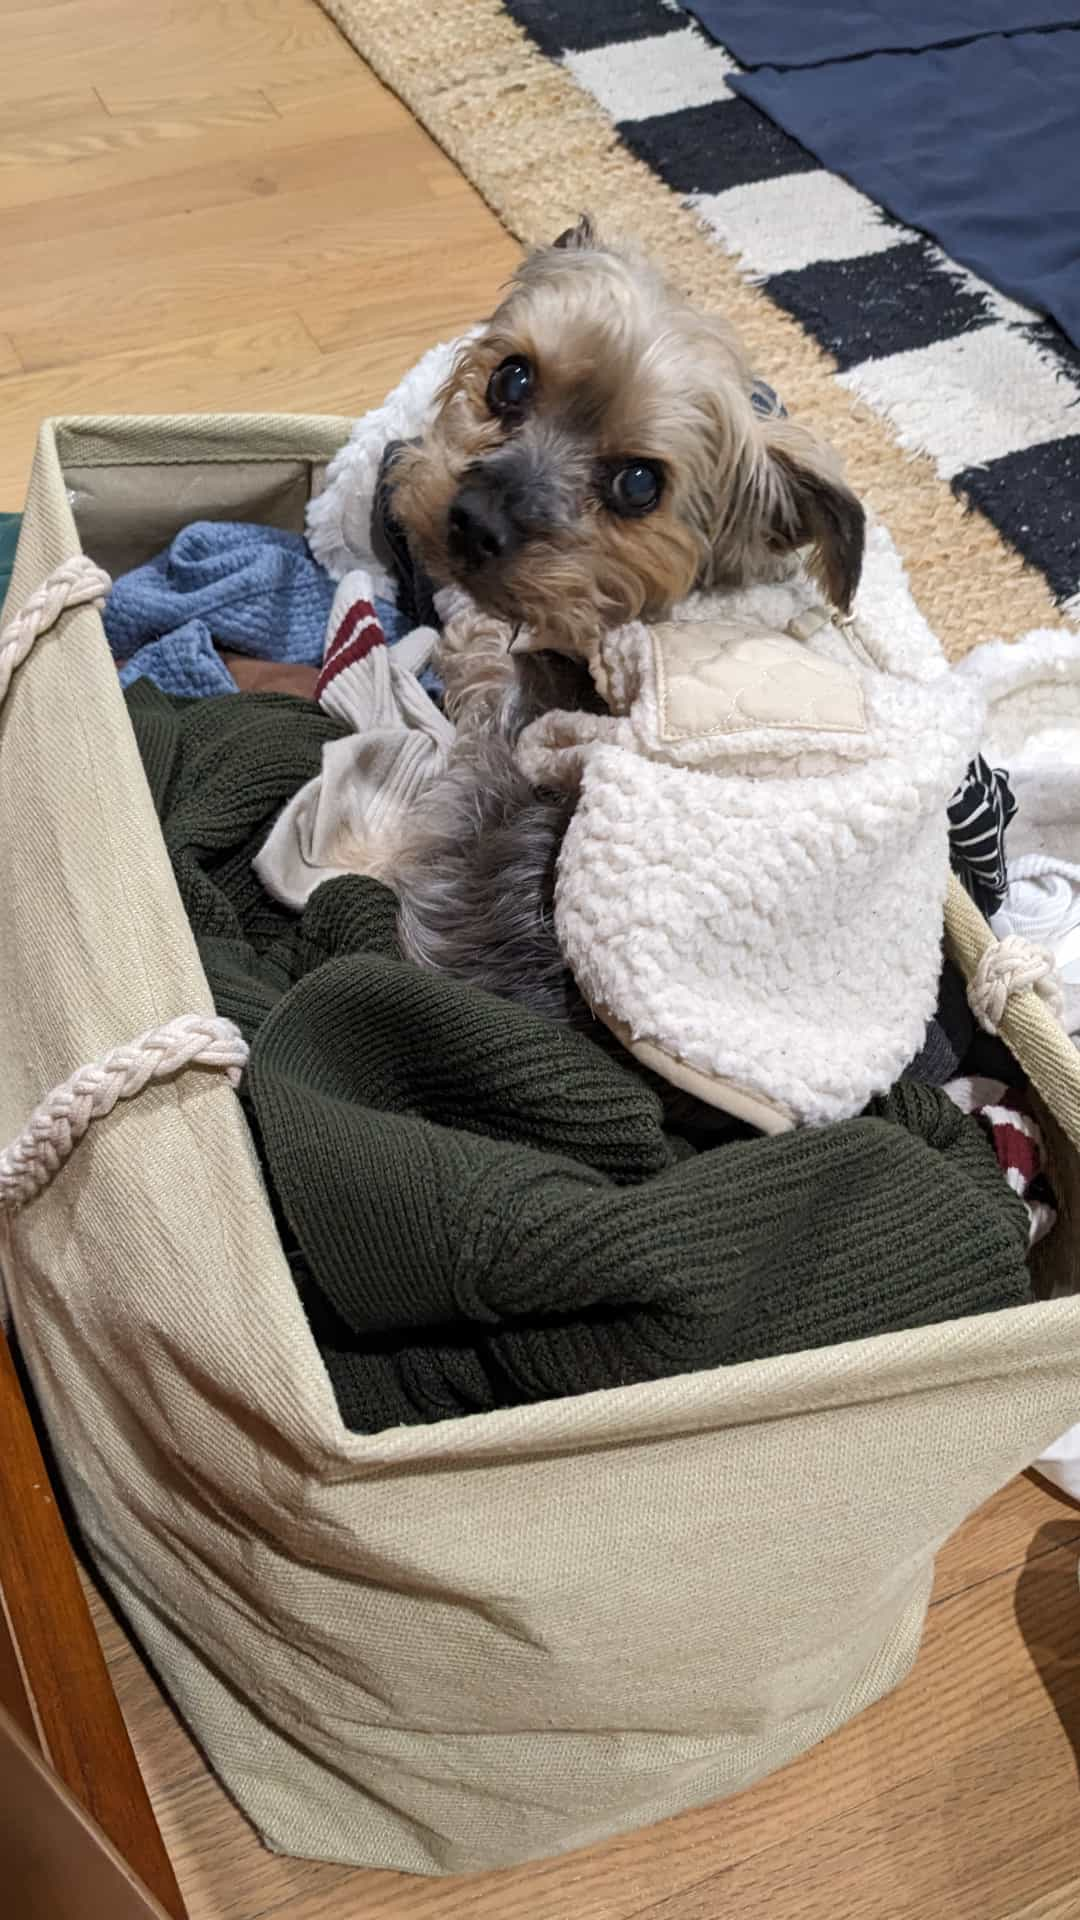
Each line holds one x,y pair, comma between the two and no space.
539,148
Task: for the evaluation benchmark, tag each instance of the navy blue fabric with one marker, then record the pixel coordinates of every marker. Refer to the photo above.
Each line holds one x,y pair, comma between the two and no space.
979,145
802,33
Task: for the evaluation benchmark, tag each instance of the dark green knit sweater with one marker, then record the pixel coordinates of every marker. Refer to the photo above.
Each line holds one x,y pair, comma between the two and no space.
483,1208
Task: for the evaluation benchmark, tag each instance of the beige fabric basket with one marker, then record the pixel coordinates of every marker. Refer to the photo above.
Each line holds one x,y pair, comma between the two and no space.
447,1648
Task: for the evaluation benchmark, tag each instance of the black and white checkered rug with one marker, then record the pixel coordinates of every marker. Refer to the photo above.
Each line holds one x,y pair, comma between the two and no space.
984,386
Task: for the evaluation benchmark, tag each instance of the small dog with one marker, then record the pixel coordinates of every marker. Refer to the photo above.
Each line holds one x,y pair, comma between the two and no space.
594,457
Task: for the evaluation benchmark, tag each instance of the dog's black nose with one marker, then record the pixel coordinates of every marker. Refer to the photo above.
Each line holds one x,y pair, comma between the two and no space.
481,530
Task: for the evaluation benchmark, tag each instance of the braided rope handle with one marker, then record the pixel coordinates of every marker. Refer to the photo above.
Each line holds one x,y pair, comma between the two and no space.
58,1124
74,583
55,1128
1012,965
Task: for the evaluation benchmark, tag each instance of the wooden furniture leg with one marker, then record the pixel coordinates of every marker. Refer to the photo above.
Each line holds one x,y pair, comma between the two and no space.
53,1679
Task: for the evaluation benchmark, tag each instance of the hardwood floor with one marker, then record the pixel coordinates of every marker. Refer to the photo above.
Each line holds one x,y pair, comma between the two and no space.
210,204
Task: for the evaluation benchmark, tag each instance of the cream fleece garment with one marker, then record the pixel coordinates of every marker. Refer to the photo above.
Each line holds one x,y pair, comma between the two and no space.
751,889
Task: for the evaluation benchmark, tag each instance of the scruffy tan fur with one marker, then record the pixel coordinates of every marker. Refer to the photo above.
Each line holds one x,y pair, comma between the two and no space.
624,368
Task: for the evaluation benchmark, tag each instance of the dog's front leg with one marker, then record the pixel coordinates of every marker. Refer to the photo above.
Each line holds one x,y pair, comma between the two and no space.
473,659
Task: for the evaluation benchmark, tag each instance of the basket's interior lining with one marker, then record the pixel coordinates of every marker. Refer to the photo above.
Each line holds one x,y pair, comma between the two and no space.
127,514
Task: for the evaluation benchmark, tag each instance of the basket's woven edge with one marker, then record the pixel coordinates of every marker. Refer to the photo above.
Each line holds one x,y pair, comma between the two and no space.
538,148
1029,1029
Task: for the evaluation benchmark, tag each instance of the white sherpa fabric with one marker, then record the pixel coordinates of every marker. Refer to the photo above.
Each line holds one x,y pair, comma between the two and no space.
756,906
339,518
1032,693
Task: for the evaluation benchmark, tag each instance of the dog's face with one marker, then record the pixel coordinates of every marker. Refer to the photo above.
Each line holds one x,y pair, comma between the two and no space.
595,455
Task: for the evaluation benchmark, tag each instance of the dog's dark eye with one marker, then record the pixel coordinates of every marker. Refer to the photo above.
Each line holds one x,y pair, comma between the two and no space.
635,487
510,385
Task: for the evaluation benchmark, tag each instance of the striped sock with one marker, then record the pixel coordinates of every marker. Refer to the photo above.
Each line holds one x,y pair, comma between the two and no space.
352,630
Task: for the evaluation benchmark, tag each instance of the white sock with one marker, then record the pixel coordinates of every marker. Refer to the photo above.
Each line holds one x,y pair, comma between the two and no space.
352,817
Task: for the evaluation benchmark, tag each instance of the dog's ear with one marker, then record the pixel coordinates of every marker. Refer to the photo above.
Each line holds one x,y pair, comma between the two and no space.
578,239
811,506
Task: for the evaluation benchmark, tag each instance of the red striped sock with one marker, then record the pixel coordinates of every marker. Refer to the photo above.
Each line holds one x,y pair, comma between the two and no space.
352,631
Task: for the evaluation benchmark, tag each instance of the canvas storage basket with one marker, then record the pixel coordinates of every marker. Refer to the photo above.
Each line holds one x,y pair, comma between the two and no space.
441,1648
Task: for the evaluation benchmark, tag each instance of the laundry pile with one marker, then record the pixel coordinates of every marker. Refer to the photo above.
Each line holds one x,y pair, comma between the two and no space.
482,1207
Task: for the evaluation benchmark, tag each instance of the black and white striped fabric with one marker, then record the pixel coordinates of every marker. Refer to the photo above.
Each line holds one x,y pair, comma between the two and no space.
984,386
979,813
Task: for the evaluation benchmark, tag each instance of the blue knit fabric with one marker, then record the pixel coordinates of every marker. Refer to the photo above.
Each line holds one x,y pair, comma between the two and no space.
247,588
183,662
257,589
391,620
